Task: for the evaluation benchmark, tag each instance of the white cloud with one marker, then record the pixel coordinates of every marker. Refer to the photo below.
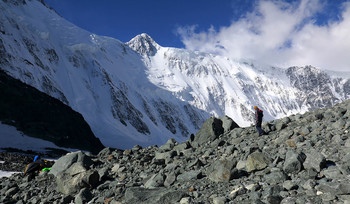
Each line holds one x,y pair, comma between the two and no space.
280,34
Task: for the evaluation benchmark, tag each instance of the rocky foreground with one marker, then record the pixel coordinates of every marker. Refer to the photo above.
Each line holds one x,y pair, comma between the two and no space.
303,159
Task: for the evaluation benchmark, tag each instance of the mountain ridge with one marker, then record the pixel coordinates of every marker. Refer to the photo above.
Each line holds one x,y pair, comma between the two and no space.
141,93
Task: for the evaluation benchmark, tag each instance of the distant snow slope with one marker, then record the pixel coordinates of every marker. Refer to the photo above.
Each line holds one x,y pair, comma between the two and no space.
142,93
12,138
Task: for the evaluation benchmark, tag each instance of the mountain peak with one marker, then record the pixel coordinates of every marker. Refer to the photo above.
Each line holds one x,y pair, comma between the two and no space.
144,44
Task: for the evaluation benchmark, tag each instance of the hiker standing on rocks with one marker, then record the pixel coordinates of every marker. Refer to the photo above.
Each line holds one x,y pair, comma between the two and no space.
258,120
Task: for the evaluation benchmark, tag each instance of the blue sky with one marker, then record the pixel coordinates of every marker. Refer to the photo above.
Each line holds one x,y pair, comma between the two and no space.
124,19
278,32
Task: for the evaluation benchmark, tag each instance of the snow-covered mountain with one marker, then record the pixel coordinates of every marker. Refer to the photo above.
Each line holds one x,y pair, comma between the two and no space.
142,93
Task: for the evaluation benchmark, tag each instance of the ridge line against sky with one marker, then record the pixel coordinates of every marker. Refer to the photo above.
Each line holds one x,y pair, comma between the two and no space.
275,32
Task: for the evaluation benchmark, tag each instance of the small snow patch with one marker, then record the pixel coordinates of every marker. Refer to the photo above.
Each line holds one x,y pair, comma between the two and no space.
7,173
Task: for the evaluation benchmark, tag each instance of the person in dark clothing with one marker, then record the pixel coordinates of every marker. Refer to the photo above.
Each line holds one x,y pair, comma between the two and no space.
258,120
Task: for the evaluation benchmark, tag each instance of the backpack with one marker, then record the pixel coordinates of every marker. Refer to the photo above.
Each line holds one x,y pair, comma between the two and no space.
260,114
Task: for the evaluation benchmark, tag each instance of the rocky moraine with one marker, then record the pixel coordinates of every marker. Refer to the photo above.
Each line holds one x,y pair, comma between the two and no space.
304,158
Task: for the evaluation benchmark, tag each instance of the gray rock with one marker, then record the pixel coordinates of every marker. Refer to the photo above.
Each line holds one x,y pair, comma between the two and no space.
195,163
222,171
293,162
70,184
75,168
153,196
314,160
187,152
104,153
219,200
288,200
311,173
334,188
268,126
185,200
257,161
327,197
230,149
332,172
217,143
170,179
309,184
347,143
157,180
275,177
272,194
66,161
12,191
289,185
241,165
165,155
182,146
83,196
280,125
171,167
305,131
169,145
228,124
118,168
189,175
103,173
274,199
340,124
210,130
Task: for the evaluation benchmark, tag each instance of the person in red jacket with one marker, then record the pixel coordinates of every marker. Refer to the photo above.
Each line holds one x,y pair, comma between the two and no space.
258,120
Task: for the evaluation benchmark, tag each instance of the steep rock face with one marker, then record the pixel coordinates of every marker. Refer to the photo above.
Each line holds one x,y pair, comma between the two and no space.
141,93
316,87
39,115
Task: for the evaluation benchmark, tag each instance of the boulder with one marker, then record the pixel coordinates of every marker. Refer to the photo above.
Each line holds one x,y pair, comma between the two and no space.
157,180
69,183
66,161
170,179
331,172
84,196
181,147
257,161
293,162
314,159
210,130
169,145
222,171
228,124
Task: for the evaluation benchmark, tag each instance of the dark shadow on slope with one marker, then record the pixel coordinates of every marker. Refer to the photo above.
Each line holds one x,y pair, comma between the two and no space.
39,115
